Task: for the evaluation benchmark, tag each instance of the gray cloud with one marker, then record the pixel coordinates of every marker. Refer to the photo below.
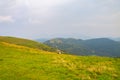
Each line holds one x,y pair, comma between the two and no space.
40,18
6,19
7,4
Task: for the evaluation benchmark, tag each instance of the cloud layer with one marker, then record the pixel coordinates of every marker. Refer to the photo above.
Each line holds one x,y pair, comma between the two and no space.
6,19
60,18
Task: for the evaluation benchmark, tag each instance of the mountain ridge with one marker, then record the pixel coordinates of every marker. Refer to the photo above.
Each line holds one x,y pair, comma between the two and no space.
97,46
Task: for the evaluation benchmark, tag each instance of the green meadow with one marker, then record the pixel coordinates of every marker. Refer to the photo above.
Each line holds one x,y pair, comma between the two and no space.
19,62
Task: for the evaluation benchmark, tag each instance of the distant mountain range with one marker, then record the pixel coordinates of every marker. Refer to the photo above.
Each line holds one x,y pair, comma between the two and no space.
42,40
98,46
116,39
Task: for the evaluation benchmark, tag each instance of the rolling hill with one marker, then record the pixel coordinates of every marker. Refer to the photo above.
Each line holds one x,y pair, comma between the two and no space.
21,62
26,42
98,46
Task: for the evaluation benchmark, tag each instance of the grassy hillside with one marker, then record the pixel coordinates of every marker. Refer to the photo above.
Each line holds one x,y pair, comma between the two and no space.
26,42
24,63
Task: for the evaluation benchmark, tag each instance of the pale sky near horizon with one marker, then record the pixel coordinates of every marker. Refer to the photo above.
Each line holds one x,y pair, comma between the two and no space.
60,18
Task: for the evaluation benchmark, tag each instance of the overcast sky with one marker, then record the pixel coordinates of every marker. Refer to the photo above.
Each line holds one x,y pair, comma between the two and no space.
60,18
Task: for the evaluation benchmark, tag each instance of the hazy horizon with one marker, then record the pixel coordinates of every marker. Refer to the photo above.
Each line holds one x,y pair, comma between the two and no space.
81,19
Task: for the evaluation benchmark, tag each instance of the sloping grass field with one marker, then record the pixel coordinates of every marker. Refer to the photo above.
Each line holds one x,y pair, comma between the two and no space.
26,42
19,62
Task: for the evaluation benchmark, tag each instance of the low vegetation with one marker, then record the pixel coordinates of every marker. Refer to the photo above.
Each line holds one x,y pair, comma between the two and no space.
19,62
26,42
